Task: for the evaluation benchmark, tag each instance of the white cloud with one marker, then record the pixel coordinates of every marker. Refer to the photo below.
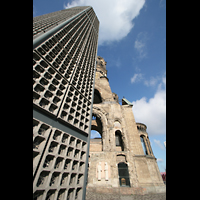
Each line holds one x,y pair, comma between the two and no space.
136,78
152,112
161,3
152,82
140,44
115,16
160,160
158,143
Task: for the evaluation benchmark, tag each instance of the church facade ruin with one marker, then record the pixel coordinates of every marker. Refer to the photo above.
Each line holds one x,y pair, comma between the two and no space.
121,160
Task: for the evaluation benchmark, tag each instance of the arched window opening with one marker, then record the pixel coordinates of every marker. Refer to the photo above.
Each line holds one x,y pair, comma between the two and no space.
95,135
149,146
96,124
118,141
143,145
96,143
97,97
123,175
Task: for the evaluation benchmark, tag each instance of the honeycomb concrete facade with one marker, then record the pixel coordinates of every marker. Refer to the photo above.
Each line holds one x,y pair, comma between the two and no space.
64,61
121,160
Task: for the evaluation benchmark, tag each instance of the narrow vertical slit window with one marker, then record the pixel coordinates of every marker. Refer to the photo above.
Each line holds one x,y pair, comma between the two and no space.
143,145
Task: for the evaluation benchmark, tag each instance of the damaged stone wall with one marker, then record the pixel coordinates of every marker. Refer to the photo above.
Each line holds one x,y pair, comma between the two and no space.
105,155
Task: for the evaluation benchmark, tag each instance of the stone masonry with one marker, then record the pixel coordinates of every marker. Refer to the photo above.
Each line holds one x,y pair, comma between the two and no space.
121,161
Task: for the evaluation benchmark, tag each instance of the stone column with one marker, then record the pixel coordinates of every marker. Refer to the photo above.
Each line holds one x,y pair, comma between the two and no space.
147,146
99,171
106,171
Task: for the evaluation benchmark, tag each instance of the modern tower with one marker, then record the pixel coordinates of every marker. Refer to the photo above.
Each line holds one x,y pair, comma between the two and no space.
64,61
121,161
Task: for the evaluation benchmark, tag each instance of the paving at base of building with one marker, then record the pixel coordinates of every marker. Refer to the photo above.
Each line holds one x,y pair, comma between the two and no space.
119,196
122,193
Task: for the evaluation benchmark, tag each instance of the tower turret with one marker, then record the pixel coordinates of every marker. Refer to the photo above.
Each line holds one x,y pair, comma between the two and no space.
101,66
102,92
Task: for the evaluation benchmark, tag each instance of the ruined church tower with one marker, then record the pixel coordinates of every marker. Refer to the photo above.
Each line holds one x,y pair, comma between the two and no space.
122,160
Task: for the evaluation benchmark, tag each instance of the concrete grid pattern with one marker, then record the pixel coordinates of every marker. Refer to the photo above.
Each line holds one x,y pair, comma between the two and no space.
46,22
63,72
62,164
64,56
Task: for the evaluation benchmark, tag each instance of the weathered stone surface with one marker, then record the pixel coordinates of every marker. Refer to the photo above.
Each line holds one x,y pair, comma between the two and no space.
111,120
91,195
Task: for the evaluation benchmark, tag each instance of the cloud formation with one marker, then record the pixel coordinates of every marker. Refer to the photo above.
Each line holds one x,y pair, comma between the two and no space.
159,160
115,16
152,81
158,143
140,45
136,78
152,112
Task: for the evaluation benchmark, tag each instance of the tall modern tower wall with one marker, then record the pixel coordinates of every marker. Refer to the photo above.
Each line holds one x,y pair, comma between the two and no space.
64,61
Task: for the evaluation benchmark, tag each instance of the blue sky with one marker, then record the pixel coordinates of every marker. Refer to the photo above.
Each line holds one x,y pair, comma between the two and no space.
132,40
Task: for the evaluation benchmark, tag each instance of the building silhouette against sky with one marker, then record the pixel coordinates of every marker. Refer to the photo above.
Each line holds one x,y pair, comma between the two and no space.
71,96
121,160
64,60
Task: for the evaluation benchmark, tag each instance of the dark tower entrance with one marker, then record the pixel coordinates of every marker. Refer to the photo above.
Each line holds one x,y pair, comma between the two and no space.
123,174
